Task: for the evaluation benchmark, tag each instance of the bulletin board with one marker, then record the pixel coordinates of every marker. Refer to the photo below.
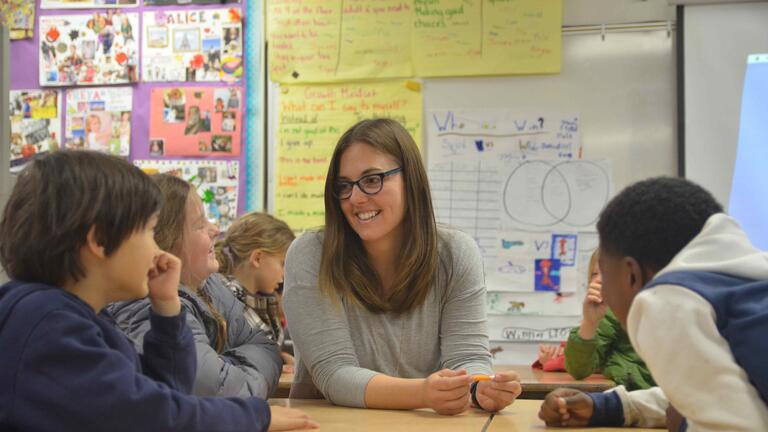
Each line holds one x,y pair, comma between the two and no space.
621,89
207,65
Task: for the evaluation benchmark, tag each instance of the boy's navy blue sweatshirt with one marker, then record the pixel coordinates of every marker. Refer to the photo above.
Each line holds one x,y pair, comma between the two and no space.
63,367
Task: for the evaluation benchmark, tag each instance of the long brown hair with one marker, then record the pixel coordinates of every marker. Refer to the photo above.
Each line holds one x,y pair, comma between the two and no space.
248,233
169,236
344,267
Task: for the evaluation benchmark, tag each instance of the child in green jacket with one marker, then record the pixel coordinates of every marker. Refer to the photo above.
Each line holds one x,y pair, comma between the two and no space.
599,344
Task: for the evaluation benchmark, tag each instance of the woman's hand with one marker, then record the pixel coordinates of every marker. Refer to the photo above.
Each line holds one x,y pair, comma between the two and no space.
447,391
498,393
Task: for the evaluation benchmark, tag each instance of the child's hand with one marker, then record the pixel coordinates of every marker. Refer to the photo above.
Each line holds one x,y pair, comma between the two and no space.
594,308
285,419
164,285
566,407
497,394
447,391
548,352
674,418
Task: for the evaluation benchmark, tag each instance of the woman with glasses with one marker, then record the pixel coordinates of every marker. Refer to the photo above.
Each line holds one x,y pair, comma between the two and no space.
386,309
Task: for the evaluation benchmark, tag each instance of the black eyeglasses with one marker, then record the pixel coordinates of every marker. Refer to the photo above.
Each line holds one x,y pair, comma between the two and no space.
370,184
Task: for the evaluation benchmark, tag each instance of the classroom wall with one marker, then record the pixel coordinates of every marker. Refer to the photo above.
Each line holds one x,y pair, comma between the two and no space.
623,88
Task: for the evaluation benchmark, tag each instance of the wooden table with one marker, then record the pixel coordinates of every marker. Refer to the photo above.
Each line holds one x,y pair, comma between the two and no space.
536,383
284,386
520,416
336,418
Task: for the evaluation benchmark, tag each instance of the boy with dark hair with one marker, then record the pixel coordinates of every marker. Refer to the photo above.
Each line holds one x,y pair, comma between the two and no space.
689,288
76,234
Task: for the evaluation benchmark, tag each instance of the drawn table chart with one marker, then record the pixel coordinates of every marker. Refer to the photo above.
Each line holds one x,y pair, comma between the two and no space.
466,196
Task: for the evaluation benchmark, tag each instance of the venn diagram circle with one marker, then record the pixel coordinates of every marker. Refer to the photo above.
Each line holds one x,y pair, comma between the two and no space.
541,193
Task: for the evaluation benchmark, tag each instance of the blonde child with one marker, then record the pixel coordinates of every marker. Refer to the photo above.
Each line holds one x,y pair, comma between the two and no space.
252,256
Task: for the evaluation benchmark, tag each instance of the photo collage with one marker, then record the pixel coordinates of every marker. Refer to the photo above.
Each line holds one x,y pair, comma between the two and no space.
99,119
35,124
215,181
100,65
193,46
191,121
94,49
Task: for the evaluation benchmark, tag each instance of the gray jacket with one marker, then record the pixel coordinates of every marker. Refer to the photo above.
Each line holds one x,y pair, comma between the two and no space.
249,364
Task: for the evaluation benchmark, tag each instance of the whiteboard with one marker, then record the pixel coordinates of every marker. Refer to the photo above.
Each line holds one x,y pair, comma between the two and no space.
718,39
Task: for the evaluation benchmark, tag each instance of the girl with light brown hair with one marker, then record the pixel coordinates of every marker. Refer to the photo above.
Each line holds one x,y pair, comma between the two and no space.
252,257
386,309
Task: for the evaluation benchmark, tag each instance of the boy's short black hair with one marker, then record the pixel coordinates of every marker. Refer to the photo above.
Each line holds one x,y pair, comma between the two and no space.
652,220
56,201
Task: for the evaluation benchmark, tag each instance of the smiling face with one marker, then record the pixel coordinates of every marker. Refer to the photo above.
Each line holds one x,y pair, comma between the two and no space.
375,218
197,255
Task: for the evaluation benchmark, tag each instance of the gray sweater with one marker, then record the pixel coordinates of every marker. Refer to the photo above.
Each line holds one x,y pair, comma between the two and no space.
340,346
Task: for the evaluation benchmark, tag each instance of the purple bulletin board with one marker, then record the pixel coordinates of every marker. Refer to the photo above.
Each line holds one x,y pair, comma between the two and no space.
24,63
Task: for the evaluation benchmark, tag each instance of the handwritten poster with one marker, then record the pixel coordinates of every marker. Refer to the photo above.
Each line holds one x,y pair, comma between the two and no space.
99,119
195,121
311,120
19,17
35,124
303,40
99,48
501,135
321,41
215,181
526,328
86,4
193,45
488,37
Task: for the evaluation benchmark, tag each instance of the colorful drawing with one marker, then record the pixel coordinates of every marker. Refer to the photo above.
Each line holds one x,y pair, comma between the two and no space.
564,248
35,124
191,123
193,45
215,181
86,4
94,49
99,119
547,276
19,17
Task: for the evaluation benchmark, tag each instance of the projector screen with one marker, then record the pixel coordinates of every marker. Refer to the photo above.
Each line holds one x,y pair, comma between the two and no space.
749,192
717,41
